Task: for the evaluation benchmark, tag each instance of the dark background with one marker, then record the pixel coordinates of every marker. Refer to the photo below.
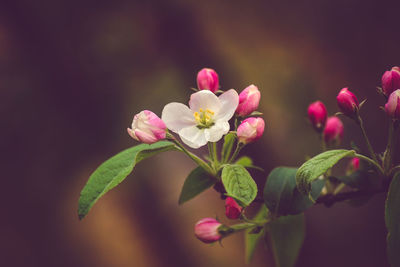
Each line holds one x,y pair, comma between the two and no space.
73,74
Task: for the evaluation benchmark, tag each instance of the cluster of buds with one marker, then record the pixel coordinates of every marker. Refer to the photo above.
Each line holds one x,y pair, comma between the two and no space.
331,128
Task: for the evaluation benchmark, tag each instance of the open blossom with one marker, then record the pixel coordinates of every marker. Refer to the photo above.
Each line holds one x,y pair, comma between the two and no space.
207,230
147,127
207,79
392,107
206,118
333,131
250,130
232,208
317,114
347,102
249,99
391,80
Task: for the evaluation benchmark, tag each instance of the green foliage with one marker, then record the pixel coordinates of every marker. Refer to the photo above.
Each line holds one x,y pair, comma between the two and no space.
239,184
285,237
247,163
392,219
253,237
281,195
317,166
197,181
229,140
113,171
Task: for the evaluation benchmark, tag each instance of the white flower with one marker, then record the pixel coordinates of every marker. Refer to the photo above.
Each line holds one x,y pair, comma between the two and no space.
205,121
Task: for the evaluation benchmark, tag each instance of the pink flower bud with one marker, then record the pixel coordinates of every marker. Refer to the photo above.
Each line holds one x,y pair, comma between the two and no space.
354,164
250,130
249,99
207,79
391,81
317,114
232,208
207,230
333,131
347,102
147,127
392,107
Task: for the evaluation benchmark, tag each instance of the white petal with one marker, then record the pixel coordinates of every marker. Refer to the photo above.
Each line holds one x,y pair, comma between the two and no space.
229,102
177,116
193,136
216,132
204,99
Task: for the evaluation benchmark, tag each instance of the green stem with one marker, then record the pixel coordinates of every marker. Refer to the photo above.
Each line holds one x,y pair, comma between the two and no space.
339,188
239,146
370,149
212,149
387,160
394,170
195,158
374,163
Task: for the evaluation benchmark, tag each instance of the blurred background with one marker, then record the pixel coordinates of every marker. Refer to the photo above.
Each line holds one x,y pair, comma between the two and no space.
73,74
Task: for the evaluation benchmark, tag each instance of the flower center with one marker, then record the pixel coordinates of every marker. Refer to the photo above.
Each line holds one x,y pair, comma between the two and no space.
204,118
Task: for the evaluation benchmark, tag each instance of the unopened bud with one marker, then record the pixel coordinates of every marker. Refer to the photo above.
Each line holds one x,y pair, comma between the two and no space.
392,107
333,131
250,130
391,81
249,99
232,208
354,164
347,102
147,127
317,114
207,79
207,230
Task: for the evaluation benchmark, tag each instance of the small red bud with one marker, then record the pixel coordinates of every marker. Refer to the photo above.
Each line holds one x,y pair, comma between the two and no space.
317,114
250,130
207,79
347,102
249,99
354,164
333,130
232,208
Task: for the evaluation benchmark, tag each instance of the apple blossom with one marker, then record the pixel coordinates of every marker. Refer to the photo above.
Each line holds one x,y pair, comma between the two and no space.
232,208
250,130
206,118
147,127
333,130
347,102
317,114
207,79
207,230
392,107
391,81
249,99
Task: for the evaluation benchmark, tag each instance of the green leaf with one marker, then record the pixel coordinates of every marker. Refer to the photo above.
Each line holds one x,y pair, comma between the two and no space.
239,184
247,163
229,140
197,181
392,219
281,195
285,237
251,238
317,166
114,171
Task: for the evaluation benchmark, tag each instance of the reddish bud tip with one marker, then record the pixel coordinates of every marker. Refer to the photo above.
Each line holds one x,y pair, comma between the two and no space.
391,81
207,230
354,164
207,79
317,114
333,131
347,102
232,208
